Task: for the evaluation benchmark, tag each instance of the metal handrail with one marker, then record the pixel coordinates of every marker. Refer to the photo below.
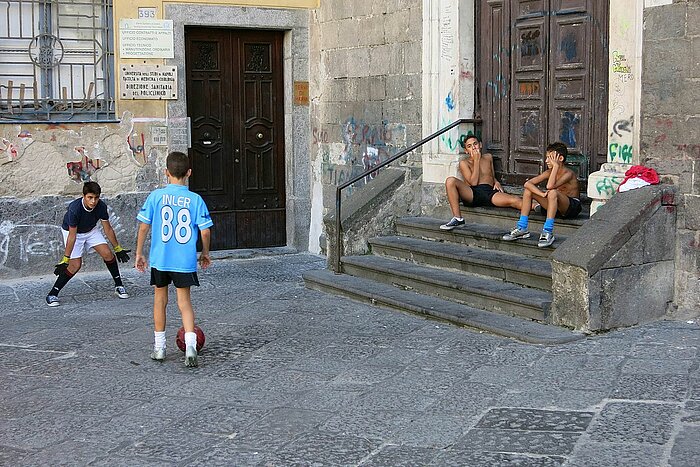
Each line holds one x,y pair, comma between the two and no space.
340,188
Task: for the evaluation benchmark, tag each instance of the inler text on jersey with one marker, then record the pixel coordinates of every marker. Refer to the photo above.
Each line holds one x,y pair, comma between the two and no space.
172,200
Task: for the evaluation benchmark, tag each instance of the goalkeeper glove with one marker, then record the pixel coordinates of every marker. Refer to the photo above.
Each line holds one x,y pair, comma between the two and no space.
61,266
121,254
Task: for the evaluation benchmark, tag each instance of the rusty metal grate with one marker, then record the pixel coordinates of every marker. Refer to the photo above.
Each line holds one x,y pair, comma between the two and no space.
56,60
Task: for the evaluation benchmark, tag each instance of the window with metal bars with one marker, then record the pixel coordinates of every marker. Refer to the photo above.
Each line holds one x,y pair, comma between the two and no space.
56,61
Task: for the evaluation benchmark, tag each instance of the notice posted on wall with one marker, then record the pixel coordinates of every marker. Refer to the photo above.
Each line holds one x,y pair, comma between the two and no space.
179,136
148,82
146,38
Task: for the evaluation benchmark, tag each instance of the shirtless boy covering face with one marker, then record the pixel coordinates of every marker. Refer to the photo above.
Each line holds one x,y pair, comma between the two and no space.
479,188
560,197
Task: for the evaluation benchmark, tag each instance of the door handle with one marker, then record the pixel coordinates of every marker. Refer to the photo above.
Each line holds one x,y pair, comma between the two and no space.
206,142
236,160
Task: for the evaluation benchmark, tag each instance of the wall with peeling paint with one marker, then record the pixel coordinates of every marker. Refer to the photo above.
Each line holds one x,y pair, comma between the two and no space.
43,166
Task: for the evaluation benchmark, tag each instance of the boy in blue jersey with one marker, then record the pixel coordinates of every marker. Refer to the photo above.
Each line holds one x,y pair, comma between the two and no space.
177,216
80,233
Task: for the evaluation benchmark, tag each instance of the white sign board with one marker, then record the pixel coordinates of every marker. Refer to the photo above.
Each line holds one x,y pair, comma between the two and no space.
159,136
148,82
146,38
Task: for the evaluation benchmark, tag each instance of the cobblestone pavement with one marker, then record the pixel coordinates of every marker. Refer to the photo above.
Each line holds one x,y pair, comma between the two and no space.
291,376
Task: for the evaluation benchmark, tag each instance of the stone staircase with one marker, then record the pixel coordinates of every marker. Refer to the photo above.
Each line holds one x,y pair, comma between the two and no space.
468,276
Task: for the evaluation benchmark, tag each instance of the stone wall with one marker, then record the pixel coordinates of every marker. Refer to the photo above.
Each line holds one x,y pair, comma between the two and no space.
670,139
31,242
617,270
365,93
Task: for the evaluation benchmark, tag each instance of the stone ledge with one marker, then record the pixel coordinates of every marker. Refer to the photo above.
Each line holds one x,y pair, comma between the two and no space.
614,271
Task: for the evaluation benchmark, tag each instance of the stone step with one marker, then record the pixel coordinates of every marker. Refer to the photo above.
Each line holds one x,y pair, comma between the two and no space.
477,291
474,234
521,270
388,296
507,218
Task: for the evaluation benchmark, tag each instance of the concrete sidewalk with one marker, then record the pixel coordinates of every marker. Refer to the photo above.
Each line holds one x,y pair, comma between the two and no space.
291,376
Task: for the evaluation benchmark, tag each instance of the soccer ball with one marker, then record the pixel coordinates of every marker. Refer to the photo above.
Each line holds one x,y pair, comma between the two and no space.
180,339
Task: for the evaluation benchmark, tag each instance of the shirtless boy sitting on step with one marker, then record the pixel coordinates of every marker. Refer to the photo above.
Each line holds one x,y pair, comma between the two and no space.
560,197
479,188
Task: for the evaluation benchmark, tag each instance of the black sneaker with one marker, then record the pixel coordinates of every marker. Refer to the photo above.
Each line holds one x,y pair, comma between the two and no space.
52,300
455,222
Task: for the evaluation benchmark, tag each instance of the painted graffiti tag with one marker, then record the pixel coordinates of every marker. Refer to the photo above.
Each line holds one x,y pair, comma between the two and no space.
622,125
530,44
85,168
27,241
569,47
690,149
622,152
10,150
569,122
137,150
529,88
608,185
450,102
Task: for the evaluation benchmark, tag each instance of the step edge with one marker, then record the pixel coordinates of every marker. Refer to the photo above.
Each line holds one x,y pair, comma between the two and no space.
540,303
470,259
563,335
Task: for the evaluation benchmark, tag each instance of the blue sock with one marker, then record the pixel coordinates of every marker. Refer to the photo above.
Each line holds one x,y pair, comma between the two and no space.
548,225
522,222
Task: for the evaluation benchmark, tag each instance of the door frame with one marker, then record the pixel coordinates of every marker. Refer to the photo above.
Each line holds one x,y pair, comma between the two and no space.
297,134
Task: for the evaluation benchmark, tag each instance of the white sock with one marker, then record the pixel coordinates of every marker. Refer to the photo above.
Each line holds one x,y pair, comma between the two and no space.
459,218
190,339
159,339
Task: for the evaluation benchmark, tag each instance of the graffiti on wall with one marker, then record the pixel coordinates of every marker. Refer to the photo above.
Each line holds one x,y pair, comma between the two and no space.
569,127
569,47
28,242
83,170
620,148
9,150
137,146
362,146
607,185
621,67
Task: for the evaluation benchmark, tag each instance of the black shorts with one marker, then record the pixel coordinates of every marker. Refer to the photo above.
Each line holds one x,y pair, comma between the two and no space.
571,213
482,195
179,279
574,209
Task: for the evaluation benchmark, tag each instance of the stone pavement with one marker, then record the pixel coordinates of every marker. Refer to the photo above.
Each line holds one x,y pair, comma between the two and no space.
291,376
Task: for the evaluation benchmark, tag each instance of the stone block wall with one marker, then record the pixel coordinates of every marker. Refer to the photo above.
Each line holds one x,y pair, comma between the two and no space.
365,93
670,130
618,269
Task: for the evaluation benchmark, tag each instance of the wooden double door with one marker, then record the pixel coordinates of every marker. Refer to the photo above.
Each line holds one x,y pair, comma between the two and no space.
235,104
543,77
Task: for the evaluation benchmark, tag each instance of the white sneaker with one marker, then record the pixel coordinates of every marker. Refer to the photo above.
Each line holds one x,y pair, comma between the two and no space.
121,291
191,356
546,239
158,354
515,234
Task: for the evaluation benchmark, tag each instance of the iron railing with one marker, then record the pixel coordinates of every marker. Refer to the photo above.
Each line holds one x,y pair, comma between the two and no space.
339,189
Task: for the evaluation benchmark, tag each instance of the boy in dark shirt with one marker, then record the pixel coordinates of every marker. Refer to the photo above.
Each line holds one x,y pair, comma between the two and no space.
80,232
